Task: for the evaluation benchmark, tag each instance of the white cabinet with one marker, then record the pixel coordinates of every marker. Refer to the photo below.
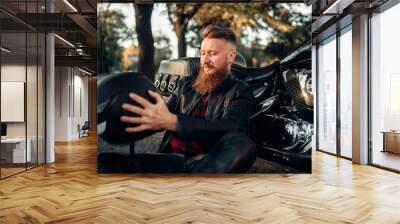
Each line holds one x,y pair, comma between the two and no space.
19,154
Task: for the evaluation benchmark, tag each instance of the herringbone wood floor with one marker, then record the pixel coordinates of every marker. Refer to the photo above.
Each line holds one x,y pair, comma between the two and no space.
70,191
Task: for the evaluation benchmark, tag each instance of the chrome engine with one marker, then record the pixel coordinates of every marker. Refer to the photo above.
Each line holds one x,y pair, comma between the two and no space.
280,132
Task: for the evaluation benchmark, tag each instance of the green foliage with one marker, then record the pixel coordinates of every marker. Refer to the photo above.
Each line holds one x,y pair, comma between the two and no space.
111,32
289,28
284,43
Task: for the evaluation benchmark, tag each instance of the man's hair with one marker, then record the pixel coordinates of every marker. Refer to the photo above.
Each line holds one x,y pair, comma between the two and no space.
216,32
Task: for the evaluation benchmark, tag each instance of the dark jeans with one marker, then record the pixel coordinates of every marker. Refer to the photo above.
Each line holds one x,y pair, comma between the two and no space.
233,153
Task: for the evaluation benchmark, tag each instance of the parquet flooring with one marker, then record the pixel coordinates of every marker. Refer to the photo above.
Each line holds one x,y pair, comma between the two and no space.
10,171
71,191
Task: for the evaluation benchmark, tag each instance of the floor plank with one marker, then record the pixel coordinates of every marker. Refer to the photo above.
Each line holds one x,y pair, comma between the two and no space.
71,191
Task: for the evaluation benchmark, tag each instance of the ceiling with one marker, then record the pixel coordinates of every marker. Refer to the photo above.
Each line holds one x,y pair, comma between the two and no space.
332,15
74,22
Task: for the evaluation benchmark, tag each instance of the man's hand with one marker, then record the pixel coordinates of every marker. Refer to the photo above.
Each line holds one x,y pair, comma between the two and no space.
152,116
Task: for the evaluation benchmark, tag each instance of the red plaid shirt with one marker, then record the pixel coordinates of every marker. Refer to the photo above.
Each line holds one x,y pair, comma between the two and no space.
191,147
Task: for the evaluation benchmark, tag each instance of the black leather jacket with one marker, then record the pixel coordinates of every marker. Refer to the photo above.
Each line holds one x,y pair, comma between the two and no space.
228,110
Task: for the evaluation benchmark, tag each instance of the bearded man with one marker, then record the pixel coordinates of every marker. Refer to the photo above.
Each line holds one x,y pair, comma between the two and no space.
205,119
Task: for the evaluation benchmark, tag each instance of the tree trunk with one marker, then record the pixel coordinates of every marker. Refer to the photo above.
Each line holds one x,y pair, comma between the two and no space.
179,18
101,56
182,45
145,38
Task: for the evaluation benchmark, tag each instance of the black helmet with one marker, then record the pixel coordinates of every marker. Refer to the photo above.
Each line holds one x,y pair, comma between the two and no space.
112,91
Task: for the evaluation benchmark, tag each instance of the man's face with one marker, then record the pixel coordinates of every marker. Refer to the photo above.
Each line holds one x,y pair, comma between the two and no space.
216,58
216,55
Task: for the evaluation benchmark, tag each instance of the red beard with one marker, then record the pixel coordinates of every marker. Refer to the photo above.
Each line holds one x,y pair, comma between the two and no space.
206,83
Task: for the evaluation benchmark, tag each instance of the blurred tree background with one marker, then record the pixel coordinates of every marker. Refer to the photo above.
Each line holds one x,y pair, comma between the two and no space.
266,32
111,32
287,27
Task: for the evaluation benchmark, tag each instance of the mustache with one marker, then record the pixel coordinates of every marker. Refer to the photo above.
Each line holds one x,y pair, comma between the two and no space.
208,65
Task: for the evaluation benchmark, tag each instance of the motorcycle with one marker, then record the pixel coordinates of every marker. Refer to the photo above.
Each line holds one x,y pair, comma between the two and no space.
281,124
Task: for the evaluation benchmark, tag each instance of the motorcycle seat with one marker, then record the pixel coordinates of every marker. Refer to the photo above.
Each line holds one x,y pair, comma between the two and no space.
254,74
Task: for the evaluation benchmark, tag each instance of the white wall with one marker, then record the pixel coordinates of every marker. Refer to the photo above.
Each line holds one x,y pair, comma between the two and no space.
11,73
61,103
71,93
80,110
33,126
15,72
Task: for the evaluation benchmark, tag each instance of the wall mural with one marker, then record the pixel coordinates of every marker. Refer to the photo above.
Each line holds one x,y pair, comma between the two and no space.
204,88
